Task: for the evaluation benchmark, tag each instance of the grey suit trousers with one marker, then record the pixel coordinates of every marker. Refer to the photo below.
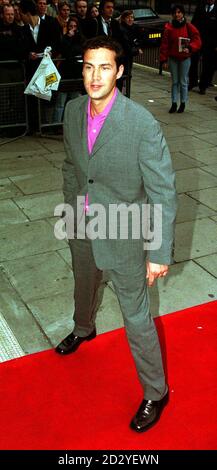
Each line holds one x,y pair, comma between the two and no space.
133,297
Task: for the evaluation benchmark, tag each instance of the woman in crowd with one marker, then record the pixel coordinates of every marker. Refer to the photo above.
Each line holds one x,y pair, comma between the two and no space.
71,67
92,11
180,40
132,38
63,16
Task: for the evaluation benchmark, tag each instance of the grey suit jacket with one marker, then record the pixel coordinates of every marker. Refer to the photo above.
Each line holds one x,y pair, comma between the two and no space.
130,163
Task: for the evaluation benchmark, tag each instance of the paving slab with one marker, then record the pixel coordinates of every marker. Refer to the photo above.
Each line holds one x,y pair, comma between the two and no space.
8,189
49,180
10,213
207,156
186,285
195,178
39,276
182,162
27,239
65,254
209,263
201,126
19,318
21,165
55,314
56,159
25,145
206,196
195,239
40,206
52,144
209,137
212,169
178,131
190,209
190,146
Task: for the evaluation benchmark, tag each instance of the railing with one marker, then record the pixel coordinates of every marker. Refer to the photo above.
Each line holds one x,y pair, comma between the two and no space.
150,57
18,110
13,102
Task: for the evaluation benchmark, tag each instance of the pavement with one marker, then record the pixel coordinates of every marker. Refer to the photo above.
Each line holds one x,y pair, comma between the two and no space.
36,297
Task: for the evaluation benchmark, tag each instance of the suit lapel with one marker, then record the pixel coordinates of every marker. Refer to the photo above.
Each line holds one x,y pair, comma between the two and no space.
111,126
82,125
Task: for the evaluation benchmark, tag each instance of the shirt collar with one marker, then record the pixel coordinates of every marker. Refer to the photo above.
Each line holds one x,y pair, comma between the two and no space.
36,26
106,110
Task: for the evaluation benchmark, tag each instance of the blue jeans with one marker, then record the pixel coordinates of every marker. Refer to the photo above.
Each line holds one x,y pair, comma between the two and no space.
179,70
62,98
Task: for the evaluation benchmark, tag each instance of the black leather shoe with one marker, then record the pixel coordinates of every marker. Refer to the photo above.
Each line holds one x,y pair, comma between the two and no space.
173,108
181,108
72,342
148,414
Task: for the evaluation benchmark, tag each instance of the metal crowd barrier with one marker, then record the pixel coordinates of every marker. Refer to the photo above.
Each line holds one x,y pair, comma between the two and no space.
18,110
150,57
13,102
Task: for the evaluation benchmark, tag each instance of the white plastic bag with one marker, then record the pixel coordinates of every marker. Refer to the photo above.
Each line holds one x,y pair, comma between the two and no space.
45,79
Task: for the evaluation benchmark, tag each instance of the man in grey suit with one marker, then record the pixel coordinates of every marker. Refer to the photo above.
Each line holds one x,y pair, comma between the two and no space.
116,155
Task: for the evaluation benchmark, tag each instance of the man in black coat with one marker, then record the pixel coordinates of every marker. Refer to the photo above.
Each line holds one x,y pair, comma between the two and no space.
38,34
205,20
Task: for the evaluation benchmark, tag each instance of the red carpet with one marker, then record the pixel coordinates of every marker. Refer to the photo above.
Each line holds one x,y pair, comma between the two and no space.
86,400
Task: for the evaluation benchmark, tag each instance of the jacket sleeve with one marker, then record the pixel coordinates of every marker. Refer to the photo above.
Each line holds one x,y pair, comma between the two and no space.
164,47
159,184
195,39
70,182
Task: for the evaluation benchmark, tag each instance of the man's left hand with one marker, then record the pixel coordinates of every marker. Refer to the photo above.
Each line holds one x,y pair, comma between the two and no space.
154,271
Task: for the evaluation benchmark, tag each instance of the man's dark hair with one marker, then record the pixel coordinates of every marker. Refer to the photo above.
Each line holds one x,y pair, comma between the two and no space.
105,42
28,6
102,4
177,6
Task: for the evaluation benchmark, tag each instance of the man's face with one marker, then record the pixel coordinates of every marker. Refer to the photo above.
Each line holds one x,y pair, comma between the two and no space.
24,17
8,15
108,10
100,73
42,7
81,8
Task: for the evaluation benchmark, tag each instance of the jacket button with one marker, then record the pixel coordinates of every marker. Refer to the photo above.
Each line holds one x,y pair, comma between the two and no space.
90,181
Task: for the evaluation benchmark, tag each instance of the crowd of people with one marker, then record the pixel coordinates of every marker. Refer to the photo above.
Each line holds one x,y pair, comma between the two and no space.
27,27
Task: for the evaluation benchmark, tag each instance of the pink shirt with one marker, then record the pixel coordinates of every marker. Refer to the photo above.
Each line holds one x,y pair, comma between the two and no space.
94,126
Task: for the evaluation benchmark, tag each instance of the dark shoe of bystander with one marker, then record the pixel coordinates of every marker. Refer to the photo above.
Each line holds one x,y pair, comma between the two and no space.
181,108
173,108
